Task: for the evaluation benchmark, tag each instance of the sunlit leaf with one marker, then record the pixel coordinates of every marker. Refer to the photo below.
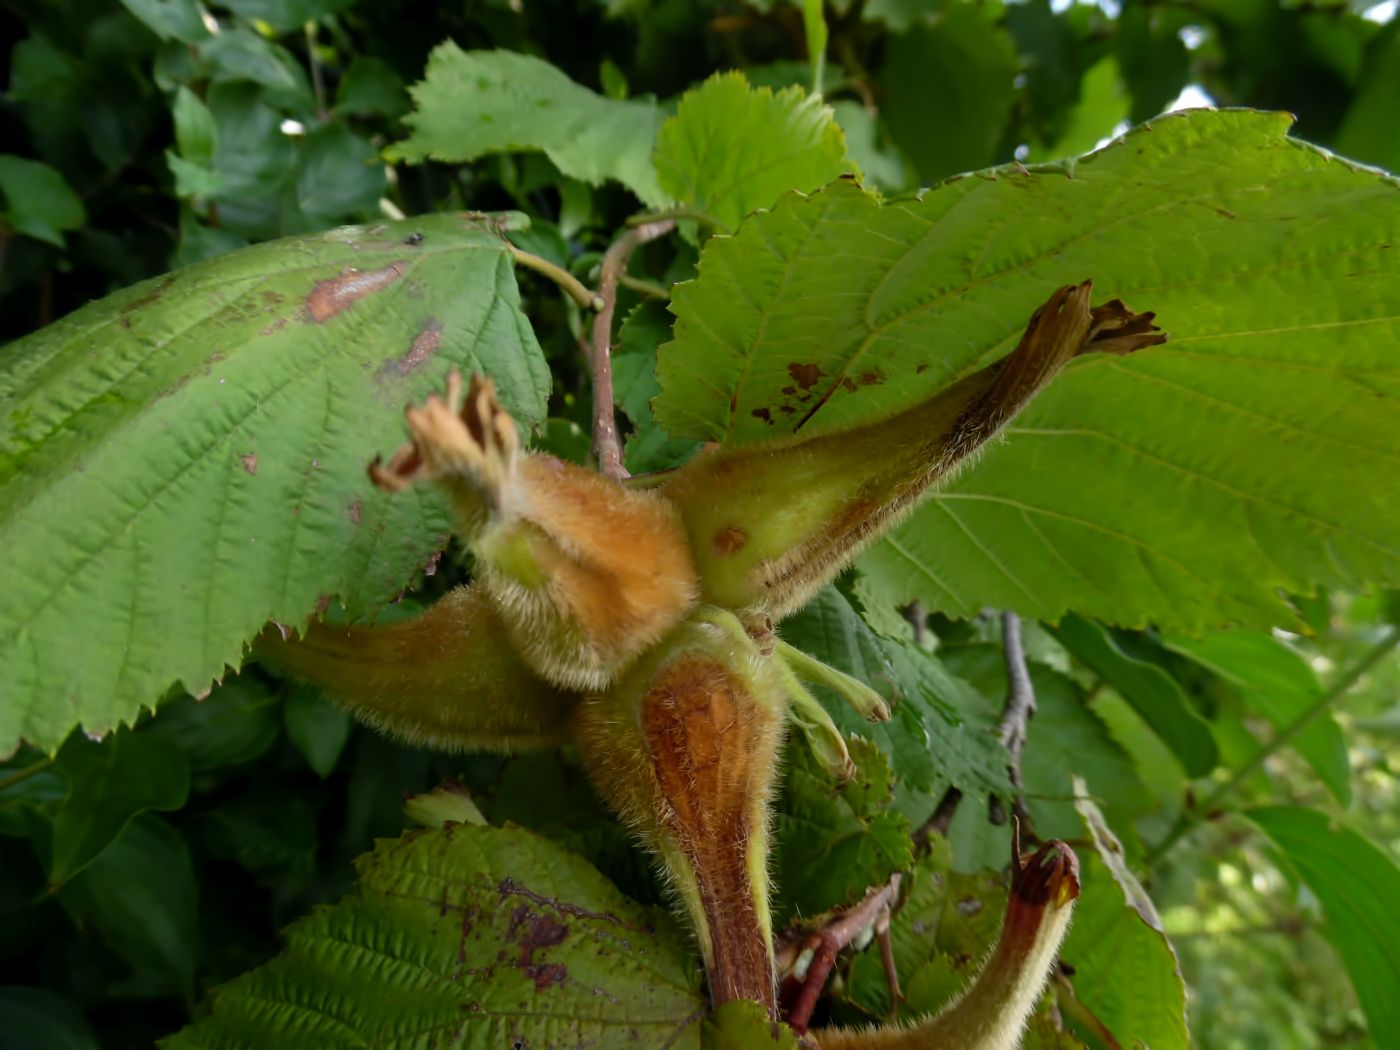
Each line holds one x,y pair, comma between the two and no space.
1189,484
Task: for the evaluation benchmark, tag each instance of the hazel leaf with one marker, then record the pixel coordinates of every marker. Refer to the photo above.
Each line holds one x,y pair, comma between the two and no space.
1186,485
476,935
185,459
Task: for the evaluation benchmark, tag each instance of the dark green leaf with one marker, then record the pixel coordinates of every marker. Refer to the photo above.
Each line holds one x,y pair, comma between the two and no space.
318,728
109,783
1357,884
341,176
234,724
171,19
36,201
370,86
950,85
34,1018
834,841
1278,683
140,894
224,429
1153,693
939,733
480,935
286,15
196,134
1065,737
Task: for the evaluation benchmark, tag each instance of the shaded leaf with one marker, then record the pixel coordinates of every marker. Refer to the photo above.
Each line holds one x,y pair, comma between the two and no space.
1278,683
318,728
35,200
471,103
732,148
480,934
141,896
834,841
38,1019
170,19
1357,884
949,87
1125,970
220,419
109,783
234,724
938,733
1065,737
1153,693
1188,485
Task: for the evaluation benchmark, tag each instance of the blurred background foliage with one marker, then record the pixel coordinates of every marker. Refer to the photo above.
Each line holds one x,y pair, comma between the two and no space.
144,135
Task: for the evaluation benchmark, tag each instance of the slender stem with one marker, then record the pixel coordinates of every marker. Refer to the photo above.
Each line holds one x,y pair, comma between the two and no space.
607,447
826,944
19,776
643,287
318,84
575,288
677,215
1285,736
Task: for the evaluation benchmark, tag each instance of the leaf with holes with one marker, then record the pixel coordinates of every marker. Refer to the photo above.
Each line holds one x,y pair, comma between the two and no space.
185,459
1189,484
474,935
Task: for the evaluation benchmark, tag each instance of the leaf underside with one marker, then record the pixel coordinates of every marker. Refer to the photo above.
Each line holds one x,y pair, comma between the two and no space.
185,459
1188,484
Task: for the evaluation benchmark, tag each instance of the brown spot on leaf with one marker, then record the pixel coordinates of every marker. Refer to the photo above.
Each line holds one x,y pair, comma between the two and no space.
805,376
323,603
537,932
789,391
424,345
331,296
353,511
250,462
729,540
921,369
849,383
763,414
870,377
151,296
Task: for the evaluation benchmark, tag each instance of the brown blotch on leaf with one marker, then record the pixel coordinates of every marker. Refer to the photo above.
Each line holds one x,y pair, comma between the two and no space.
353,512
729,540
921,369
331,296
250,462
323,604
538,932
870,377
849,384
425,344
763,414
805,375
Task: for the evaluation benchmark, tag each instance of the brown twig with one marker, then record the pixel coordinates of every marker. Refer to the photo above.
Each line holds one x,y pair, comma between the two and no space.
942,818
607,448
1020,706
825,944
